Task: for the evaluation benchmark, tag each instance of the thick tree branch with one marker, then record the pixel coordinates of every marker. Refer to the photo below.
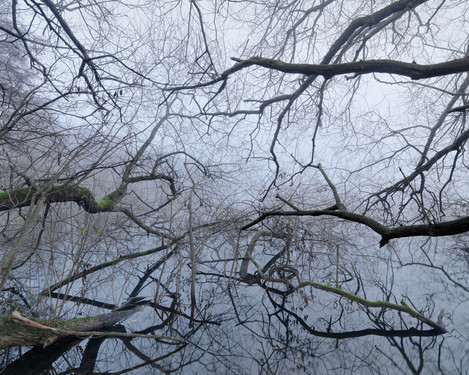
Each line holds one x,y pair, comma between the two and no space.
25,197
411,70
41,332
358,23
434,230
339,210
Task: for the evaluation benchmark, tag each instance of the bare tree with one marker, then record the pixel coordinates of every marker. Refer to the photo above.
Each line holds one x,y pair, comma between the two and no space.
275,177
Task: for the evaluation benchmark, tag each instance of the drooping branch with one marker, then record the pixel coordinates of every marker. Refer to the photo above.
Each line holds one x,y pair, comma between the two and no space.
411,332
403,307
339,210
438,327
243,270
447,228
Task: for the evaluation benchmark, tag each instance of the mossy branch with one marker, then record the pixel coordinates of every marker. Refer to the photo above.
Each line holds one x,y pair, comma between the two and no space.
403,307
18,330
23,197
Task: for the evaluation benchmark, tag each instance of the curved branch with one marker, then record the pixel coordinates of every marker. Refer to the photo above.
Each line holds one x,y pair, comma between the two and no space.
403,307
447,228
26,196
411,332
23,197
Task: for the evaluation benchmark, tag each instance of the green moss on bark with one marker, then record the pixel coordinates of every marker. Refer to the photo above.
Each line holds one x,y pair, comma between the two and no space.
12,199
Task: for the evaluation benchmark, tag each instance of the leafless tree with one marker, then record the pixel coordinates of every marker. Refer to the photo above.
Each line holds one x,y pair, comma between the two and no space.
277,177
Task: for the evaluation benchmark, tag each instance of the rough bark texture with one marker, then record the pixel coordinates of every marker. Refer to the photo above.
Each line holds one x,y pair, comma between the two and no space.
412,70
24,197
16,330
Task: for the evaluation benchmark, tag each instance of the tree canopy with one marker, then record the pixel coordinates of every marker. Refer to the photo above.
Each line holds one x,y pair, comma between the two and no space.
281,182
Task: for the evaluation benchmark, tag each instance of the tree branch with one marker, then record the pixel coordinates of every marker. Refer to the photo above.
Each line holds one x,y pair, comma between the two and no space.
433,230
411,70
403,307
